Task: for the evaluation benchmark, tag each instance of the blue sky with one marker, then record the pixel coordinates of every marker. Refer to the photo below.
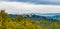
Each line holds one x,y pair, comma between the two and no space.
30,6
53,2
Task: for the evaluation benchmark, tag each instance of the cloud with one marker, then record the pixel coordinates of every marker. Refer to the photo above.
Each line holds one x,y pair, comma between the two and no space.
21,8
53,2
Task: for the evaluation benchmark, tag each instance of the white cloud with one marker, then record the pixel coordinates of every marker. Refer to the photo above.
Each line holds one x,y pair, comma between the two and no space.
20,8
37,1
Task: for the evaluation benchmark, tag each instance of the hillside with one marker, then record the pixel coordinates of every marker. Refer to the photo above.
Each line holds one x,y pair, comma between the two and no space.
9,21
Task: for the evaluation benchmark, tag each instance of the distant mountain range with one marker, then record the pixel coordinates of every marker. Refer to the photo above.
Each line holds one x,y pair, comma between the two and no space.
54,16
51,15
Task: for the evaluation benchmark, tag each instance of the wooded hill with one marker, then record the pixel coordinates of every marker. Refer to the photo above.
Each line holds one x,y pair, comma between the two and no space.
19,22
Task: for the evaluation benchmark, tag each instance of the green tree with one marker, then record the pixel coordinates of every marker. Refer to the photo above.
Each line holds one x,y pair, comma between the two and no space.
19,18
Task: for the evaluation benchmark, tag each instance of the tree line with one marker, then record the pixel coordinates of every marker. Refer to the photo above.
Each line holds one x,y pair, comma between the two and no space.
6,22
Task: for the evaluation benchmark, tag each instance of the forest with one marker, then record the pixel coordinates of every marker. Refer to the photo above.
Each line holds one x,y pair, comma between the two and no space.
19,22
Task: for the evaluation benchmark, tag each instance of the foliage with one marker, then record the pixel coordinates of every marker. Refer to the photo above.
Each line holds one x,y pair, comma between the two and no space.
6,22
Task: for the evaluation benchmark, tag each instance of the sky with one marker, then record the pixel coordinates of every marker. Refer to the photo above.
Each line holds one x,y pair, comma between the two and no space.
30,6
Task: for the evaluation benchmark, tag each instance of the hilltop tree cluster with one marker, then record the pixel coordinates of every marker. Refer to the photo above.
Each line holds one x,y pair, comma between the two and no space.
6,22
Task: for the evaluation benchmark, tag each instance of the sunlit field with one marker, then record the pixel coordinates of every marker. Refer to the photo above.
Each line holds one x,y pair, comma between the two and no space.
20,22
